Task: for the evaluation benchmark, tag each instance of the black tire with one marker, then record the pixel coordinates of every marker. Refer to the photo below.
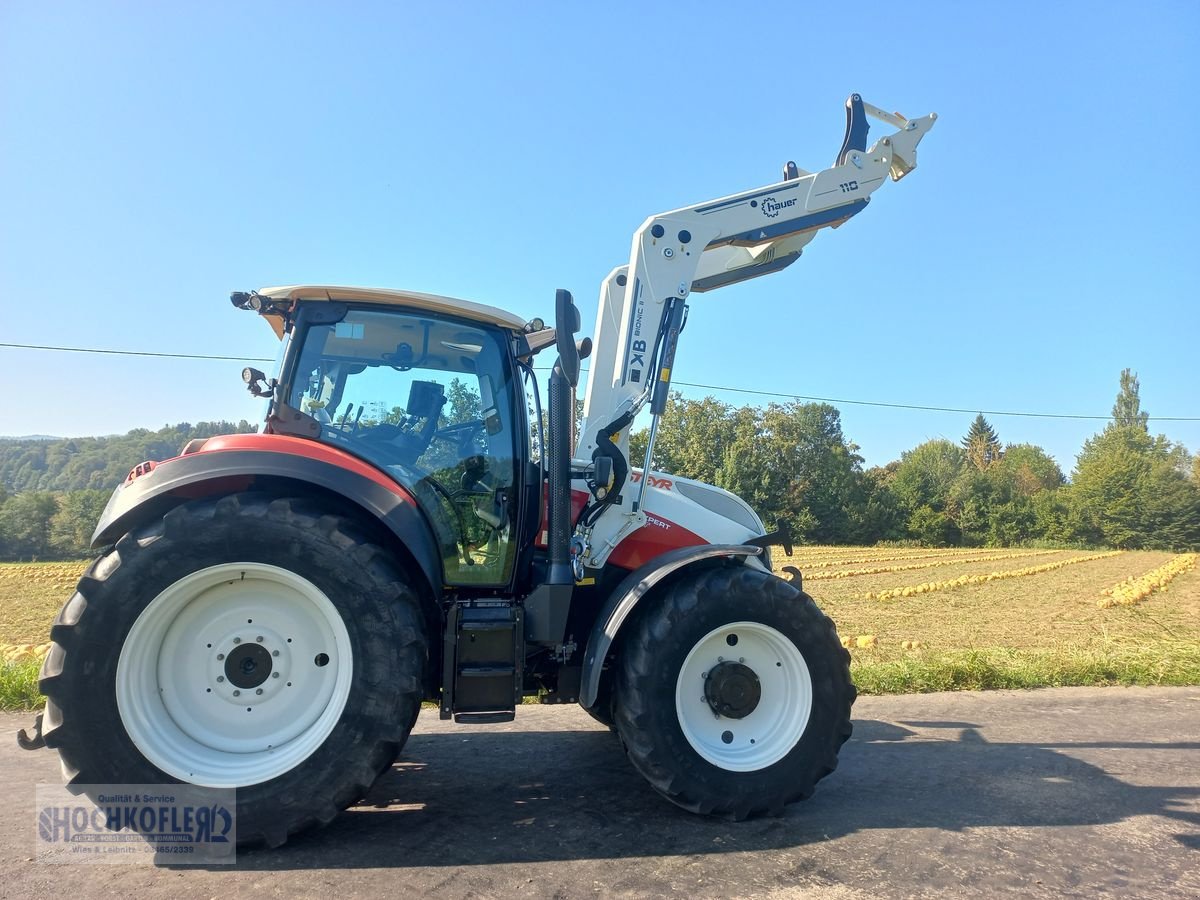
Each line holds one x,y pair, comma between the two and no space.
372,596
653,653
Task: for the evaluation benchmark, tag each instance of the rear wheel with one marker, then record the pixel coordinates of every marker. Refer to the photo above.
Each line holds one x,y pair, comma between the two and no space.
733,693
243,643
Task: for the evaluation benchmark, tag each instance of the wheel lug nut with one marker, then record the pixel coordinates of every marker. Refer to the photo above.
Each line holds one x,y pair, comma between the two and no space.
274,674
741,659
259,691
237,640
220,678
274,652
237,693
220,656
259,638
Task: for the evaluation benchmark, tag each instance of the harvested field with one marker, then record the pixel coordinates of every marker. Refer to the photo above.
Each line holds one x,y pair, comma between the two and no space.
1041,628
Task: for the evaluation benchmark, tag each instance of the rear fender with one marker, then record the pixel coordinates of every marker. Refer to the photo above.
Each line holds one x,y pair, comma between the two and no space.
629,592
151,495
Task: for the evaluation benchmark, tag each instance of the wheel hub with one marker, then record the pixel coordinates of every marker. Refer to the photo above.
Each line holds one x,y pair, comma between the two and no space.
732,690
248,666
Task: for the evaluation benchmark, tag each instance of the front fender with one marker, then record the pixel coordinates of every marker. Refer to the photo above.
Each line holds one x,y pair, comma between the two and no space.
202,474
625,598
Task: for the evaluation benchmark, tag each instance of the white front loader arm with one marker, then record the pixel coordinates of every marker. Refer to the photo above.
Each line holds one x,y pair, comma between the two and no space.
708,246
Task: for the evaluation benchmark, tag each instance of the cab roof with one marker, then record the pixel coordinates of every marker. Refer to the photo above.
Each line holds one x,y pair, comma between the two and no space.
411,299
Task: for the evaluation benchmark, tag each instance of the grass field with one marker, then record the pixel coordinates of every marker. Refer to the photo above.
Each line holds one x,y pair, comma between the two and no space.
948,619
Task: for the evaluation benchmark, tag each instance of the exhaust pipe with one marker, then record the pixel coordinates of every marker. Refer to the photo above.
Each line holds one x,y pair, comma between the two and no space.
547,607
562,413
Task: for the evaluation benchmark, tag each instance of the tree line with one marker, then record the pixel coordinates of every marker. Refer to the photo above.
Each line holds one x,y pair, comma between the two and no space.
790,461
794,465
52,491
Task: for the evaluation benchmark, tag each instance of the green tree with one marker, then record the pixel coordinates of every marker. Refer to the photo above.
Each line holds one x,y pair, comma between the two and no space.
932,527
1031,469
972,498
1171,516
792,463
1182,460
72,525
982,444
875,512
989,501
1127,411
102,463
994,506
1060,518
926,474
924,485
25,525
692,438
1011,521
1108,483
1129,491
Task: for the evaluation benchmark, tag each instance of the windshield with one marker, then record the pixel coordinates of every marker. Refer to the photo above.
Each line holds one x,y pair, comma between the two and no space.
429,400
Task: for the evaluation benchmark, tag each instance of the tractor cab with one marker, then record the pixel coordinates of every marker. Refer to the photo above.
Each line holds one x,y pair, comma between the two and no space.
426,389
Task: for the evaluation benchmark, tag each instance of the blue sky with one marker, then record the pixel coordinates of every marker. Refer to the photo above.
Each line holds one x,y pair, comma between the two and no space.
154,157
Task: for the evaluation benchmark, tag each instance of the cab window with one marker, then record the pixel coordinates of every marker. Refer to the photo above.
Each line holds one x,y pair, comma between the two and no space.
429,401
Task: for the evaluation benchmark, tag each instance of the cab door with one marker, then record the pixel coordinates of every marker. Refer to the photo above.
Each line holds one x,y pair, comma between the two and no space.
430,400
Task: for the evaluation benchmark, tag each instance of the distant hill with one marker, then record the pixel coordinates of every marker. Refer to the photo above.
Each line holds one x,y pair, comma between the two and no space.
44,463
30,437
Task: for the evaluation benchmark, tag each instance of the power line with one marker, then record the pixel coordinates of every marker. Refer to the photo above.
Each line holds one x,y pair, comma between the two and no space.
138,353
953,409
706,387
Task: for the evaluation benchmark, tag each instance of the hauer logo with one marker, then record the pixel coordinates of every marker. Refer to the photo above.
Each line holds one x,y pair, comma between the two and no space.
772,207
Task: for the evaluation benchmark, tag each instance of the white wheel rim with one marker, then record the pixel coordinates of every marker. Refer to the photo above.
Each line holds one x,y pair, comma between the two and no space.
769,732
174,690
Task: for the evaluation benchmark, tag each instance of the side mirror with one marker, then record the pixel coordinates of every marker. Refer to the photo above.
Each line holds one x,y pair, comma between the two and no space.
566,323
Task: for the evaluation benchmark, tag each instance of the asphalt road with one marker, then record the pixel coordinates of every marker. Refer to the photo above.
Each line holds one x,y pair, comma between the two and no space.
1067,792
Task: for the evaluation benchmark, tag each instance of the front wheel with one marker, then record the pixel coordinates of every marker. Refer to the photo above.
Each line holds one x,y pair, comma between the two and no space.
244,643
733,693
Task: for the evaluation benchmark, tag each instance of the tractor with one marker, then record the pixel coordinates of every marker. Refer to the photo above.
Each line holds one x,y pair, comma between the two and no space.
268,612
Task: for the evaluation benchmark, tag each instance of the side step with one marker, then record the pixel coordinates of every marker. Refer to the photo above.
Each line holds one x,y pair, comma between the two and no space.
484,651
